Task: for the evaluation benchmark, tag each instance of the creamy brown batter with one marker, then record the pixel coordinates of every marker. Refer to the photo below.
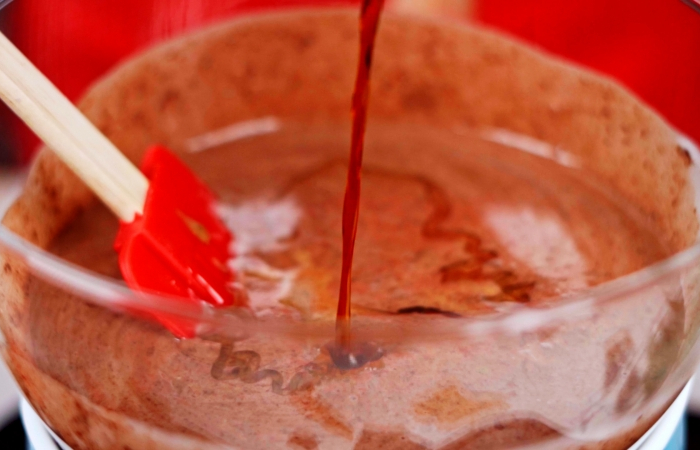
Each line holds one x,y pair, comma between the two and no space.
434,204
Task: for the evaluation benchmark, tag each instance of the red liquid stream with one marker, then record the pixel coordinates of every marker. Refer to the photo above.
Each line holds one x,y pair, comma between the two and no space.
369,22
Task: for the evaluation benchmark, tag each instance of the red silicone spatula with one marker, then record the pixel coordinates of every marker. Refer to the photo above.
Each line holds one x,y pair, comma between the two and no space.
170,240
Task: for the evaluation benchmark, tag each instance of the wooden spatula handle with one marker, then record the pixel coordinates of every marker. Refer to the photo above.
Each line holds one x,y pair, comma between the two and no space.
57,122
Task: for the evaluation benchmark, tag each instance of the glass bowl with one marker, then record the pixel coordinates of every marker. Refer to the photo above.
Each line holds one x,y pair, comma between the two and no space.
590,367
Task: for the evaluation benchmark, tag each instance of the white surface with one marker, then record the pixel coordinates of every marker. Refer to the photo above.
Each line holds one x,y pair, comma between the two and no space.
659,435
694,402
40,435
9,395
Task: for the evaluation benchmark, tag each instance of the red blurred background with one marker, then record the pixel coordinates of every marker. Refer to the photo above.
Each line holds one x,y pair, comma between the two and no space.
652,46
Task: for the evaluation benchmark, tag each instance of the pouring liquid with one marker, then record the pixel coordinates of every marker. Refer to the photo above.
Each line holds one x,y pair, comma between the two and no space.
346,353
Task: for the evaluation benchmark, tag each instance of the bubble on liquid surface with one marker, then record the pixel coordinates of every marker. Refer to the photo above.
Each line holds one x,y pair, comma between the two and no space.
354,355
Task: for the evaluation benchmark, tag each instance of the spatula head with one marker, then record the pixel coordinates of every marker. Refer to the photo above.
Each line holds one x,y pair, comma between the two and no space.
178,247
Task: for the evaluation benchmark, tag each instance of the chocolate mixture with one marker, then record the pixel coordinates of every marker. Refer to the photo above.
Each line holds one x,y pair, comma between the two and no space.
427,223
